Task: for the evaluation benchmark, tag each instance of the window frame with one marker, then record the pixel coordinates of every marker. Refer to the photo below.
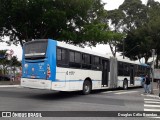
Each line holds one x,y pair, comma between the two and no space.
62,62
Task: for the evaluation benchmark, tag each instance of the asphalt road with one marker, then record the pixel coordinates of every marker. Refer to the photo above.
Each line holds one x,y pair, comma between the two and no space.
25,99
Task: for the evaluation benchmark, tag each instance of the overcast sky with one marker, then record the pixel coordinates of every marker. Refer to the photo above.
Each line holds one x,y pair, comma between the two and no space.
114,4
104,49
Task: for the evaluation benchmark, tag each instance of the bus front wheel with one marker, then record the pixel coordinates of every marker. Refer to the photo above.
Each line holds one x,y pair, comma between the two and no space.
87,87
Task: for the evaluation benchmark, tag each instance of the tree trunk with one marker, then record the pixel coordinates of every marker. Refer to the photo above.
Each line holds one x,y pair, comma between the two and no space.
146,59
113,52
21,43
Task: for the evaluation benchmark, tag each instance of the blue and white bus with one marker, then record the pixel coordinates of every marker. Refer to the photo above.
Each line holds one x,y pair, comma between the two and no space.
53,65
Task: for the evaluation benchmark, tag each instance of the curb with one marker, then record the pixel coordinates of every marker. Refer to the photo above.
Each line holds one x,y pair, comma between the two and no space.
5,86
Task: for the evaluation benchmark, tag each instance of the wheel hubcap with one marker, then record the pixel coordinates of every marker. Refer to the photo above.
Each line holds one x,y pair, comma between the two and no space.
86,88
125,85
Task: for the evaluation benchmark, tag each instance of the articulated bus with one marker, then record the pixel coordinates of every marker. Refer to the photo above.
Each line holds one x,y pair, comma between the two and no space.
53,65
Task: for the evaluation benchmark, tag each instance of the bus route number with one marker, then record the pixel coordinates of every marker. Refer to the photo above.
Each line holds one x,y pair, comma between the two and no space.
70,73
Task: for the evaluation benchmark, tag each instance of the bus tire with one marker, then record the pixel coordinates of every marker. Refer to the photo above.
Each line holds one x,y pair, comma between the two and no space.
125,84
87,87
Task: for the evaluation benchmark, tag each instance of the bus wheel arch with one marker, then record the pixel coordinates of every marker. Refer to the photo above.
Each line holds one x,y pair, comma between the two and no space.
87,86
125,84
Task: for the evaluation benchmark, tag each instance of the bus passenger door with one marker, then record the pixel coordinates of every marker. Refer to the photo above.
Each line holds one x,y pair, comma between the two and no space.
105,73
132,74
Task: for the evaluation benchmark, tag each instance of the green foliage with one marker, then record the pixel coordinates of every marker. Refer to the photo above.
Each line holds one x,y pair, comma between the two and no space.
14,61
141,24
116,16
135,14
3,52
5,63
97,33
115,36
67,20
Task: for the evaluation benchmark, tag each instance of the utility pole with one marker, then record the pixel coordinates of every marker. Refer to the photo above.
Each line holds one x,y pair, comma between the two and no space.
153,53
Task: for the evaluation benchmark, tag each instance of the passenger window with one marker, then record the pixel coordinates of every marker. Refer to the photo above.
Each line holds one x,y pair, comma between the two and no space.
61,57
71,56
77,57
59,54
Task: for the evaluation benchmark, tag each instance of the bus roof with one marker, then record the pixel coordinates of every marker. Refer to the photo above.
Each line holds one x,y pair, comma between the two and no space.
76,48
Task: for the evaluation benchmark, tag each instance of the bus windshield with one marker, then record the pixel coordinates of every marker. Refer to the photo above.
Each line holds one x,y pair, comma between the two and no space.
35,49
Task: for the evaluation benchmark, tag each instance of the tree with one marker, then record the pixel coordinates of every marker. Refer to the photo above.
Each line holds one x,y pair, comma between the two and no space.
137,43
66,20
135,14
5,63
154,18
14,63
140,31
2,54
116,19
130,16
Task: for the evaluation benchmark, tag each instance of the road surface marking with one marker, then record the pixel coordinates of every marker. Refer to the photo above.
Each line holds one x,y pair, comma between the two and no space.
146,99
112,91
107,92
151,102
154,96
146,109
4,86
147,105
126,92
155,117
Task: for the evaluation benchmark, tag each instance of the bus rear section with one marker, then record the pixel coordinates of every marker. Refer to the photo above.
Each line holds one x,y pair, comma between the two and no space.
37,71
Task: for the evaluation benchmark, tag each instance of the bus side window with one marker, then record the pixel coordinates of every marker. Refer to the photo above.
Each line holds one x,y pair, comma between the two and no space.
120,69
86,61
61,57
71,56
126,68
74,59
96,63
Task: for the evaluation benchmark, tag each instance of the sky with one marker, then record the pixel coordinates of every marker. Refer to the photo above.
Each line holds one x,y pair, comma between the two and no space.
103,49
114,4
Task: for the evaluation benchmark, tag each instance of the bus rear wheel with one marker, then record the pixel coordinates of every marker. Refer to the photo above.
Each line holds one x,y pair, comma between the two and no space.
87,87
